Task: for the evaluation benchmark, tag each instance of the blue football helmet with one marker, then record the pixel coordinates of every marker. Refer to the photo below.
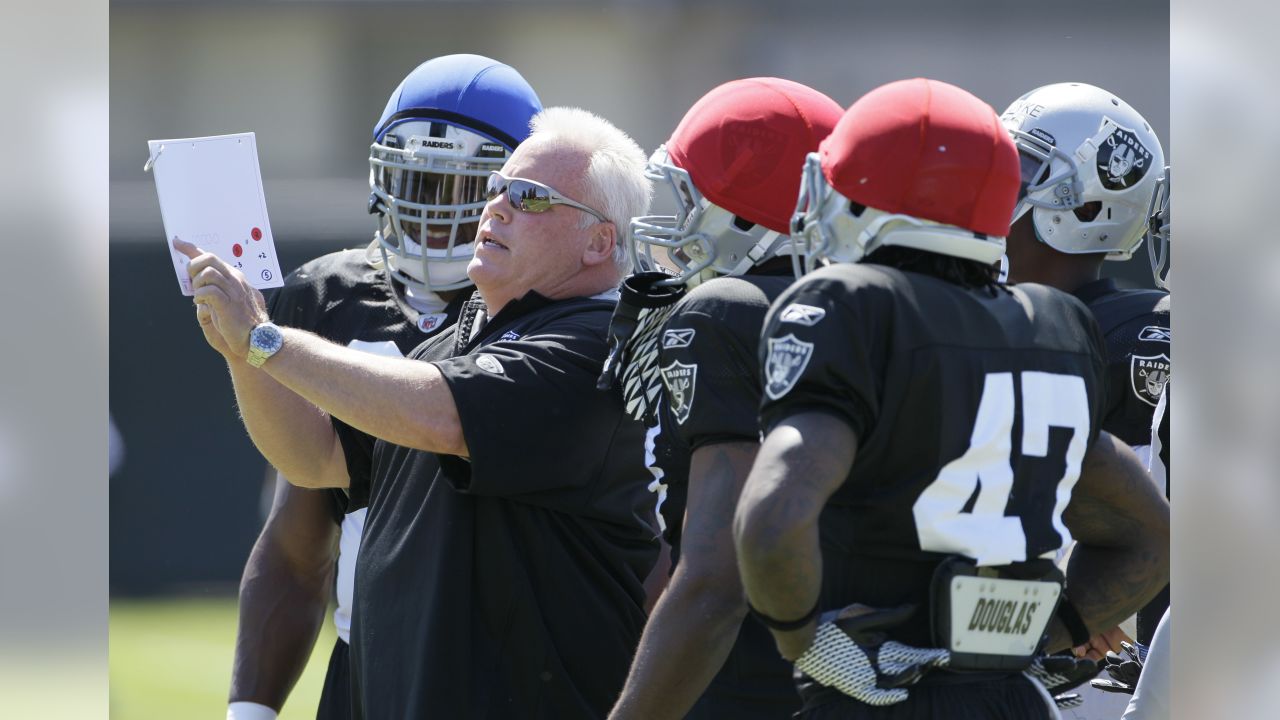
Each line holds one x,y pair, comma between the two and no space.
451,122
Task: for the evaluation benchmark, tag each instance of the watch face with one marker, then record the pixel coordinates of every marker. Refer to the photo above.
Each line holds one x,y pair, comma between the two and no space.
267,338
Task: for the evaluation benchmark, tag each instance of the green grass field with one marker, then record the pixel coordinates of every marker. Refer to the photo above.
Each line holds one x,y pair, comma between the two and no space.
171,658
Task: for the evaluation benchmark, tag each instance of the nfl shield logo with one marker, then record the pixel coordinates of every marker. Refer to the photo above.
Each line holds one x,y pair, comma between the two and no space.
1149,374
788,357
679,379
431,323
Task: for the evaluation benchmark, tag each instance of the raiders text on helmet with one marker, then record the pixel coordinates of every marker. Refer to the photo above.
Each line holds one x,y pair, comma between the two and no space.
915,163
733,167
1090,165
451,122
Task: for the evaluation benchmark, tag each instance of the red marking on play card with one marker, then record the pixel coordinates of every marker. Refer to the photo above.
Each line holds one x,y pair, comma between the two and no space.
256,234
237,250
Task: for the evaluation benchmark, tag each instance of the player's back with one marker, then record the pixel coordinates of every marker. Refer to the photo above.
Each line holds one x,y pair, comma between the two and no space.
972,407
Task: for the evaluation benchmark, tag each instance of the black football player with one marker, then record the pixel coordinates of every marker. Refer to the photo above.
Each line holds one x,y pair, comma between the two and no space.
932,438
1092,170
438,138
732,167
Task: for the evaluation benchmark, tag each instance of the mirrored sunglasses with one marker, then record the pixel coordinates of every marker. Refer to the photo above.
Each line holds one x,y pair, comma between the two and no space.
531,196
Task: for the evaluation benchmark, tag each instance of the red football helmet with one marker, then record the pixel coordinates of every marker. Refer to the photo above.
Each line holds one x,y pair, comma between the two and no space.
733,166
916,163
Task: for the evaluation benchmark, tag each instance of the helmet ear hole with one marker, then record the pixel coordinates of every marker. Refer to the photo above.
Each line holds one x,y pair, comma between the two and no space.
856,209
742,223
1088,212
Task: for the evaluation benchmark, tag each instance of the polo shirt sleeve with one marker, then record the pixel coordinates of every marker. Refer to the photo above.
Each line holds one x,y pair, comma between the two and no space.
823,347
531,415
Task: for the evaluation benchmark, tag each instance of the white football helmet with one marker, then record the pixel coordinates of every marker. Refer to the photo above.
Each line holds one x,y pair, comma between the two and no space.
1090,165
829,227
428,191
703,240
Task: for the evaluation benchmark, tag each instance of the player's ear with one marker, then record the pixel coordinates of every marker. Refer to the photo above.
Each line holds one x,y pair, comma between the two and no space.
603,239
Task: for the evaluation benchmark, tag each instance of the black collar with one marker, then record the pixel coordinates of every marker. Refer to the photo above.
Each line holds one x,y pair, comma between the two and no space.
1091,291
780,265
531,302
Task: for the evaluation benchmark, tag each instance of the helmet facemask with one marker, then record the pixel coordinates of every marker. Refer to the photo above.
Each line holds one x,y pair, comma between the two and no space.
1158,232
829,227
427,181
702,240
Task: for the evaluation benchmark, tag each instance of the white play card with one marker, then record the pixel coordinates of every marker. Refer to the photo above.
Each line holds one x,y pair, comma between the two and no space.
210,191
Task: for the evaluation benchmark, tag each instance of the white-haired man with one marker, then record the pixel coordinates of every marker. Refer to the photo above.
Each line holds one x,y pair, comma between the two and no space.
505,516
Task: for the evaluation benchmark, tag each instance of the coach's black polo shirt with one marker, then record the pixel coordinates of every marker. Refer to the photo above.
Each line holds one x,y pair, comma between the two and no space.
509,585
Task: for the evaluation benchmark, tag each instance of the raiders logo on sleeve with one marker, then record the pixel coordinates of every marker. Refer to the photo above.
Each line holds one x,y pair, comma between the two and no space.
1149,373
788,357
680,379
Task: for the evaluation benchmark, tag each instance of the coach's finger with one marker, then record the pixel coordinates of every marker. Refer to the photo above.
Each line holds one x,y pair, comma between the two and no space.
210,294
186,248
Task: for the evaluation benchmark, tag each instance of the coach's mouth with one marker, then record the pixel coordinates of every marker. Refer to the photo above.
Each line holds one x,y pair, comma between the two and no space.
487,240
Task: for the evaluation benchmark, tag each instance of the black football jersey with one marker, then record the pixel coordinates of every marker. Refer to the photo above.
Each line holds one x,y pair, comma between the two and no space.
1135,327
510,583
710,372
344,299
973,410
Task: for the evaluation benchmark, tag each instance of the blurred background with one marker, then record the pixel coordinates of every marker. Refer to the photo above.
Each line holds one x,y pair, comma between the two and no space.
187,491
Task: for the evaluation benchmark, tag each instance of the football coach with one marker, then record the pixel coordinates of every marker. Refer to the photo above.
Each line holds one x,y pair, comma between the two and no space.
509,526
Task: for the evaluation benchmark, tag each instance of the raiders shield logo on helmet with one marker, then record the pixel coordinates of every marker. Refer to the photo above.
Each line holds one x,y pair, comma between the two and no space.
680,379
1122,159
1149,374
788,357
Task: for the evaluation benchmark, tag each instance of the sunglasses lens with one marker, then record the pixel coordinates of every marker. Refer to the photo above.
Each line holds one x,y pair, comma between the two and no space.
496,185
529,197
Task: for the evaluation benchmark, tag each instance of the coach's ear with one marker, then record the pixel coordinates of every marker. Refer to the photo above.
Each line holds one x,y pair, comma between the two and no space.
600,245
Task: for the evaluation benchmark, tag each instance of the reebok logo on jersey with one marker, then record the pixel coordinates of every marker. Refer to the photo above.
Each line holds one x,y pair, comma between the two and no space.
677,338
431,323
1149,373
799,314
788,357
679,379
1155,333
489,363
509,335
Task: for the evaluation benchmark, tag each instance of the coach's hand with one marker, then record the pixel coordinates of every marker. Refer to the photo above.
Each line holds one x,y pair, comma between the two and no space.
227,306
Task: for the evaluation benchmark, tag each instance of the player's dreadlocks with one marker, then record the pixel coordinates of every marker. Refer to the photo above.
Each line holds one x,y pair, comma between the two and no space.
958,271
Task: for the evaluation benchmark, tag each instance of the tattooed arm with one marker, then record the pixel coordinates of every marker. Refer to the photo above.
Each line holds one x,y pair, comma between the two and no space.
1120,521
802,462
696,621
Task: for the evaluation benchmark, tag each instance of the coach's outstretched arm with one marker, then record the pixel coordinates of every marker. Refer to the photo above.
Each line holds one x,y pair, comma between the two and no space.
402,401
1120,521
801,463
